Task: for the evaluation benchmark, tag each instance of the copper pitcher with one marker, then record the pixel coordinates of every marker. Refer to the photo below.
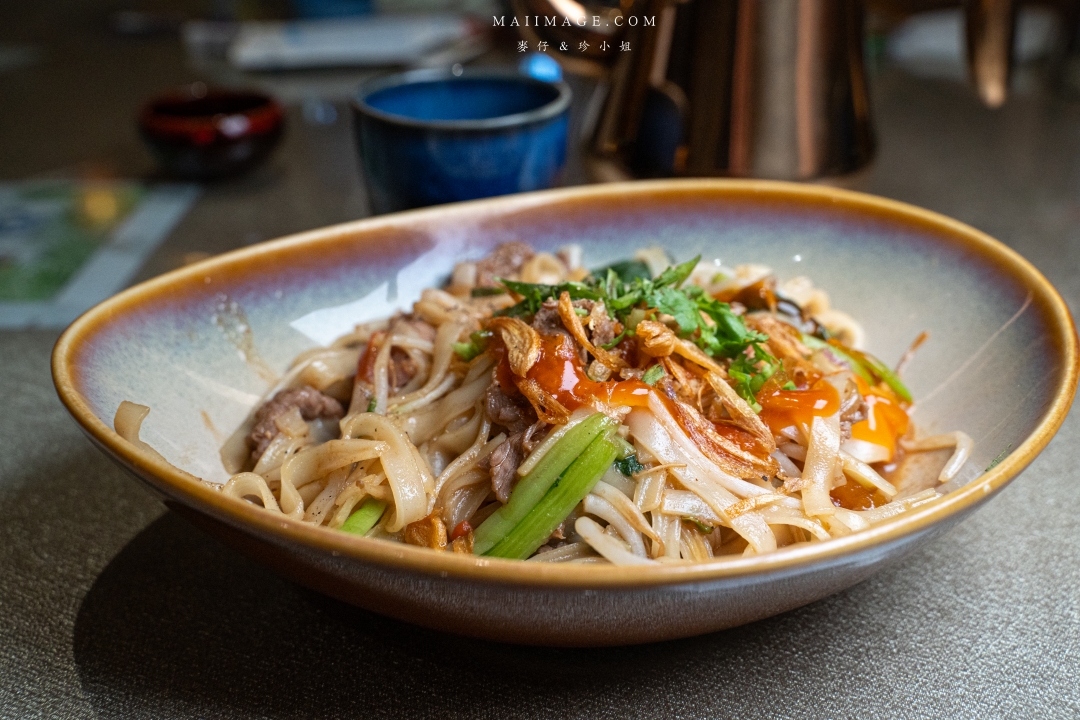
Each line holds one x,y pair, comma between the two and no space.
744,88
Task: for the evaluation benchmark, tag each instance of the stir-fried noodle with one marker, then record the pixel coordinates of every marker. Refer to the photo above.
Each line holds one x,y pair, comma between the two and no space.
636,414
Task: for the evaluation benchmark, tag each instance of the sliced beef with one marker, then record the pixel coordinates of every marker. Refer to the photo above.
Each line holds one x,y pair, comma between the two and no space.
547,320
504,462
401,369
311,403
504,261
514,414
420,328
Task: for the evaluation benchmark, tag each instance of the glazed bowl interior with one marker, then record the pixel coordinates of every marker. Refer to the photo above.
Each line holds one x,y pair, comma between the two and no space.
200,346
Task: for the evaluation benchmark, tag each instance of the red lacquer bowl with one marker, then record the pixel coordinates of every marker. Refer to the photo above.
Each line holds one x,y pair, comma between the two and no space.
201,134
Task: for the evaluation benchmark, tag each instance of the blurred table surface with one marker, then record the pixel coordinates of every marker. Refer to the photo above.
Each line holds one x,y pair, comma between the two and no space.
112,607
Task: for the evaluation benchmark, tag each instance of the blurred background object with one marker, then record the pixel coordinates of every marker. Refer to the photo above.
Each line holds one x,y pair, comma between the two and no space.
754,89
785,89
201,133
369,41
434,136
68,244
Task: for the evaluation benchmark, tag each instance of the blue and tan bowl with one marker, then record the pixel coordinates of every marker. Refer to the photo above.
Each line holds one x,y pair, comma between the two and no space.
1001,364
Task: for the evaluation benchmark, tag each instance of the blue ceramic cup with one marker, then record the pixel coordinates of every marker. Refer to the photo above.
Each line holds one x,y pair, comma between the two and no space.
432,136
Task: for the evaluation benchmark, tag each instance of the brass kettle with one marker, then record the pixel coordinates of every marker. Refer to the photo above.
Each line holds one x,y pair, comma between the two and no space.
743,88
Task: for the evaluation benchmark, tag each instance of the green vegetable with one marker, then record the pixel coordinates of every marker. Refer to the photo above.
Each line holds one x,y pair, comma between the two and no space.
882,371
618,338
477,344
679,305
856,367
629,466
627,271
580,478
863,364
372,404
700,525
653,374
750,375
487,291
625,449
531,488
534,295
363,519
676,274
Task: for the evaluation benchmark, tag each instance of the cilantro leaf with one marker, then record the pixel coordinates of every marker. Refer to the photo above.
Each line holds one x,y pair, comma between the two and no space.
653,374
627,271
533,295
629,465
675,303
676,274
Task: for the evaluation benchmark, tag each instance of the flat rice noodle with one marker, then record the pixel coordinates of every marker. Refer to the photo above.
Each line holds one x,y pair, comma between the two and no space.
683,503
447,334
409,477
317,510
670,445
427,423
304,468
649,492
960,441
318,461
667,528
620,482
626,508
465,498
780,515
128,424
866,475
821,458
692,545
327,367
789,469
607,546
888,510
246,484
601,508
479,449
566,553
853,521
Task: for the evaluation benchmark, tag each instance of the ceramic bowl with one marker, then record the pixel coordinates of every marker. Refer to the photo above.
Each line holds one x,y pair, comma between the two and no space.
195,345
201,134
427,137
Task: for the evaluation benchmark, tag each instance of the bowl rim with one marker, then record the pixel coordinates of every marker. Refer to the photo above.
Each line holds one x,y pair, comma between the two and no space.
551,109
397,556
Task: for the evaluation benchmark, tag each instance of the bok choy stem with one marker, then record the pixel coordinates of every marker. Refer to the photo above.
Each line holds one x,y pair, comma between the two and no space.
531,488
363,519
578,480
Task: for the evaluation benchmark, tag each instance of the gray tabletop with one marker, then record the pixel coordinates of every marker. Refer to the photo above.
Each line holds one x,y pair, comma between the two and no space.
111,606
